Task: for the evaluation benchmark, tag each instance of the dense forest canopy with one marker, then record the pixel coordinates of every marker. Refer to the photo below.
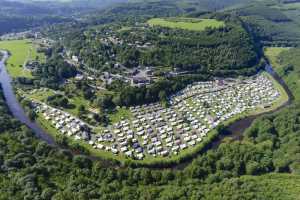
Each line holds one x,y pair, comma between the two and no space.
224,48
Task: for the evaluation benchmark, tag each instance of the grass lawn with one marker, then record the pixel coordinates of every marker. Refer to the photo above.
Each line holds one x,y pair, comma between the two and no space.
77,101
41,95
21,51
192,24
272,54
120,114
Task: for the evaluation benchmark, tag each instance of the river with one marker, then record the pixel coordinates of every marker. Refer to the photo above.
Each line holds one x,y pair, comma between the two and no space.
14,106
235,130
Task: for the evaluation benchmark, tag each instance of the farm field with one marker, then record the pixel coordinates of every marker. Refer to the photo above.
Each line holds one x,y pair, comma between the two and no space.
192,24
21,51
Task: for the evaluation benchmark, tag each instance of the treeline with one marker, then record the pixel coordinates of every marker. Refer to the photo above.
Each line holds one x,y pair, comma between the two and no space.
125,95
131,12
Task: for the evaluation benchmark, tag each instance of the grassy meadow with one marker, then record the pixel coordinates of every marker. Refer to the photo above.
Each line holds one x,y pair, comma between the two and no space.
289,69
21,51
191,24
272,54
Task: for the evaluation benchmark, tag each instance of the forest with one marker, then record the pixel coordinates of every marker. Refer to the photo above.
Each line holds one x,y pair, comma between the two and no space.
271,25
224,48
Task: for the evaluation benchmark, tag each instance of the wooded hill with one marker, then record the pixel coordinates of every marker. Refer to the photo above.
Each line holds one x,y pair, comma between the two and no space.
224,48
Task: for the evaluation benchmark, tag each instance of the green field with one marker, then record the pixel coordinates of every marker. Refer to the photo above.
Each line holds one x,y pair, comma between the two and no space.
272,54
120,114
192,24
290,75
21,51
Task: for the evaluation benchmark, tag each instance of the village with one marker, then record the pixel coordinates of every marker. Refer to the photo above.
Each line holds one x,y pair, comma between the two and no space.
162,132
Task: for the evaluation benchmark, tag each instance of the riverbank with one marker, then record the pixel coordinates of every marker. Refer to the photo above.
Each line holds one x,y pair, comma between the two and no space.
20,52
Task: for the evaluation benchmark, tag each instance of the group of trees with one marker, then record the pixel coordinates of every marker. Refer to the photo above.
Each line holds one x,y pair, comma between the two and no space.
58,100
224,48
268,153
54,72
228,47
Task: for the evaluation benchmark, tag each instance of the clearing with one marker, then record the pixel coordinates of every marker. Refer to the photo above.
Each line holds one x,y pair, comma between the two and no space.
192,24
21,51
272,54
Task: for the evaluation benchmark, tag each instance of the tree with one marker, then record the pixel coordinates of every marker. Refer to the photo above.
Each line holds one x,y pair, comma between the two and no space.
105,102
88,94
81,110
162,96
252,168
82,161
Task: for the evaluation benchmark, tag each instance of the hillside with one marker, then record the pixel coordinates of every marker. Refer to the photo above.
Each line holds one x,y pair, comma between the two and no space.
16,16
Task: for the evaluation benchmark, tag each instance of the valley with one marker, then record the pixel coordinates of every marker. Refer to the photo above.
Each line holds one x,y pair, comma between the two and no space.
164,99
